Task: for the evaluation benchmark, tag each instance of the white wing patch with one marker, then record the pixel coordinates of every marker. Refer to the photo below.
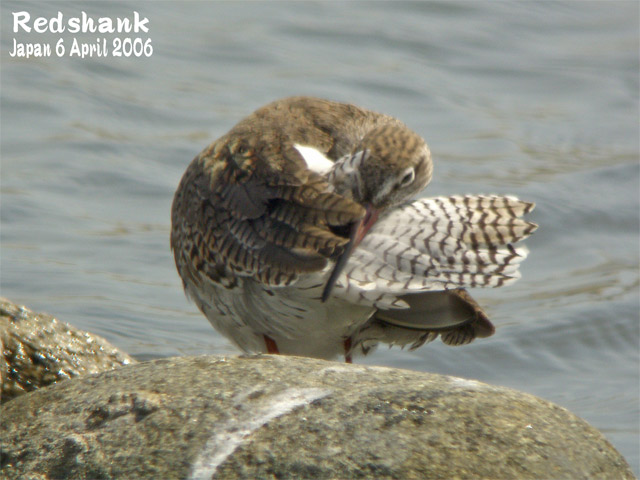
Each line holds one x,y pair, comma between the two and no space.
316,160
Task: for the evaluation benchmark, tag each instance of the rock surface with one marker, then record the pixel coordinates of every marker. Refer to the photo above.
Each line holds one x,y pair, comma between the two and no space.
285,417
38,350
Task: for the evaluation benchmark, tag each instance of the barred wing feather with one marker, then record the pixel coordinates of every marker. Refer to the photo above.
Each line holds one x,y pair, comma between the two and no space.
437,244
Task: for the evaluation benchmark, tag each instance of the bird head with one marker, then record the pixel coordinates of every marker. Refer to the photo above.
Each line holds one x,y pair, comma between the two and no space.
396,164
389,165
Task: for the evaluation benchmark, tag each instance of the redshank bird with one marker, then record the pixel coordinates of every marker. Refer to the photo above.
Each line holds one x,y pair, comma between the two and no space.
294,233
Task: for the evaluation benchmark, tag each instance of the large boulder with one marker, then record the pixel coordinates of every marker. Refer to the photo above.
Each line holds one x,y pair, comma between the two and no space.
285,417
38,350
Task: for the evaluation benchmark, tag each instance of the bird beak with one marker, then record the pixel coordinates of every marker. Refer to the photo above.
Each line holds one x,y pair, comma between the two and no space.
370,217
358,231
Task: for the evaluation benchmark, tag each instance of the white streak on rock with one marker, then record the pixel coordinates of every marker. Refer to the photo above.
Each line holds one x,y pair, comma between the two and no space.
467,384
229,435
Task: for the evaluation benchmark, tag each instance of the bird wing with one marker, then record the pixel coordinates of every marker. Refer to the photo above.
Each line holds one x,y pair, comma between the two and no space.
435,244
451,314
256,211
413,264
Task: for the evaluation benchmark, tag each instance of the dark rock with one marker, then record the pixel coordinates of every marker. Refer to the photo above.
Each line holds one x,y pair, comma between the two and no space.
38,350
286,417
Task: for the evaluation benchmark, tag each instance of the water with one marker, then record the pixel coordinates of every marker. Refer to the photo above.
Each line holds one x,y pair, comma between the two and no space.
534,99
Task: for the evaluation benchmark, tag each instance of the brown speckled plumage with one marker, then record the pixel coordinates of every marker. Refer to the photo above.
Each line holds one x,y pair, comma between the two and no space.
256,232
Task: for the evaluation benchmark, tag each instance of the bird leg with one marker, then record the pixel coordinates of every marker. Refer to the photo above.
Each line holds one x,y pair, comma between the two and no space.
347,350
272,346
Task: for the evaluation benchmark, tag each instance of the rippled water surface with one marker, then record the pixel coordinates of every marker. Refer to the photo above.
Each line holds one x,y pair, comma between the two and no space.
534,99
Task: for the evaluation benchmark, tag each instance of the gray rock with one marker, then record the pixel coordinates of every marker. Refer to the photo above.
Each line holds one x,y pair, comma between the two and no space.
38,350
285,417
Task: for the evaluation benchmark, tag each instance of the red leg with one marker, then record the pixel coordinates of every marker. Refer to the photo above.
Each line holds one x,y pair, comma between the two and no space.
272,347
347,350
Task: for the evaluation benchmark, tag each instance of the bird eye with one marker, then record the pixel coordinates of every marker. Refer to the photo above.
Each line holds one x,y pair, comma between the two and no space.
408,178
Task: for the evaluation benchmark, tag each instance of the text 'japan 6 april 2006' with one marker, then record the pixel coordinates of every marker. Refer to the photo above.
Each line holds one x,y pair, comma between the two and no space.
125,36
